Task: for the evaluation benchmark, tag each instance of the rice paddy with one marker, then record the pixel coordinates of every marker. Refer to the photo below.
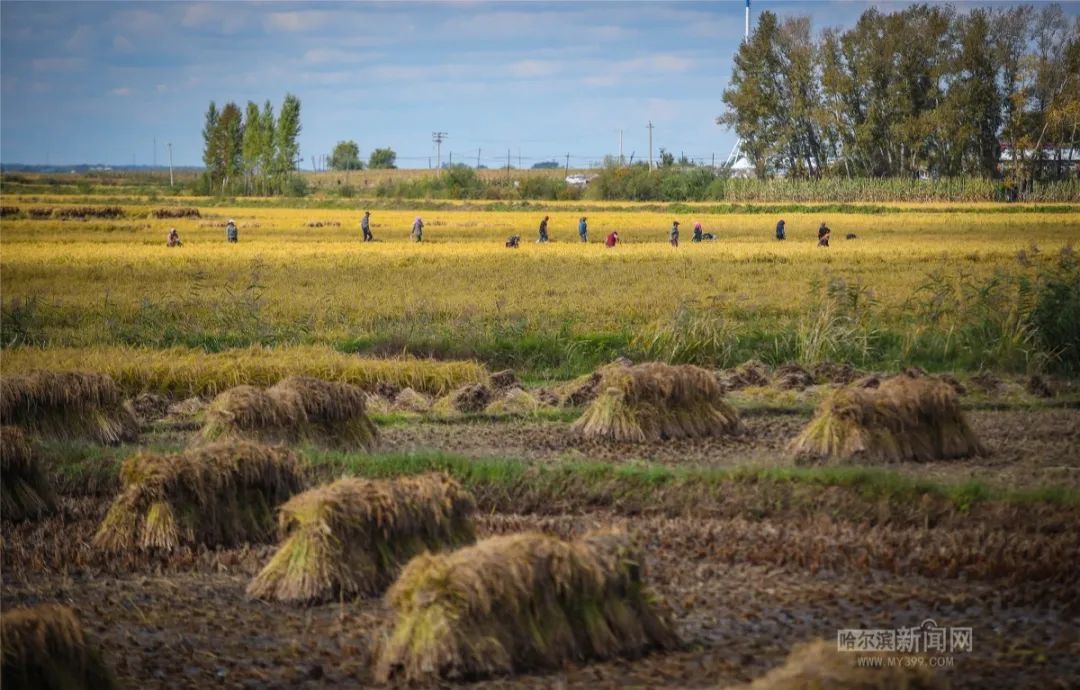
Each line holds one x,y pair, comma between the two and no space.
561,465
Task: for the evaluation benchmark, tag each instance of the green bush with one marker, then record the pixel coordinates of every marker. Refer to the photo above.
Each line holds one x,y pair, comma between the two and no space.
1056,315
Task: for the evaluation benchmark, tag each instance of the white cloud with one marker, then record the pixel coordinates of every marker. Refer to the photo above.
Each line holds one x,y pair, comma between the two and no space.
82,39
320,56
122,45
298,21
140,22
534,68
56,64
223,18
120,91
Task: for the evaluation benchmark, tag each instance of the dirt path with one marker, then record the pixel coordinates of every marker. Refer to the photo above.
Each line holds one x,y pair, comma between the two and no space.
742,593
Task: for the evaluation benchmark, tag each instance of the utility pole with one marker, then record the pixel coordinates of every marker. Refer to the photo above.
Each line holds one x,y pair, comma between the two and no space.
519,158
568,165
438,137
650,128
155,154
451,159
478,158
507,164
170,165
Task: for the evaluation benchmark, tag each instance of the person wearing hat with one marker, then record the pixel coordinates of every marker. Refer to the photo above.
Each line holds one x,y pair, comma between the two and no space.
418,230
612,240
823,235
174,238
231,233
543,230
583,230
365,226
675,233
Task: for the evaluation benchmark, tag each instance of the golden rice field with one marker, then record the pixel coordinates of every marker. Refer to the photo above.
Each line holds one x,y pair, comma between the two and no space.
106,281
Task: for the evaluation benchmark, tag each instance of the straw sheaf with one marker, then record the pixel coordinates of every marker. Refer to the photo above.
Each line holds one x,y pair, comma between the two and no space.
351,537
24,487
818,665
652,402
520,602
45,648
67,404
295,409
220,494
904,418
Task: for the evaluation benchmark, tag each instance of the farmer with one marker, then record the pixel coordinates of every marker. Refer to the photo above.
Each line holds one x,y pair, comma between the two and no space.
674,233
230,231
365,226
543,230
583,230
780,229
823,235
418,230
513,241
612,240
697,232
174,238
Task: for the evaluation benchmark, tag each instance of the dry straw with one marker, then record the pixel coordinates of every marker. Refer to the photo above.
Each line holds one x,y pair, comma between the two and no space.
653,402
296,409
353,536
45,648
819,665
24,488
67,405
905,418
519,602
220,494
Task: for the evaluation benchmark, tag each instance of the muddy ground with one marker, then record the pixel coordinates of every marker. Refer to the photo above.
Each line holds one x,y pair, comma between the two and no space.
1028,447
741,591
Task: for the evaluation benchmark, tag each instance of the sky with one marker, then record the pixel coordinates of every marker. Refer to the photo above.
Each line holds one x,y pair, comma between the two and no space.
101,82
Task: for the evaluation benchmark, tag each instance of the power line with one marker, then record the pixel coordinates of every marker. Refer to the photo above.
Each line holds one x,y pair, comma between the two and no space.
438,137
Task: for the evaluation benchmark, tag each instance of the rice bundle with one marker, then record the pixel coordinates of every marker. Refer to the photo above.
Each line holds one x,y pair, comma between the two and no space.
219,494
45,648
515,401
295,409
67,405
519,602
903,418
24,489
652,402
353,536
408,400
819,665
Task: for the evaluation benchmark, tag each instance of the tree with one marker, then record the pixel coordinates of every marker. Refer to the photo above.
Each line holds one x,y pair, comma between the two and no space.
285,133
346,156
229,143
267,148
382,159
253,144
209,159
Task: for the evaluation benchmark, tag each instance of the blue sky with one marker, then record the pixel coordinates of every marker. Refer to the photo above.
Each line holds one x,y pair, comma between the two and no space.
96,82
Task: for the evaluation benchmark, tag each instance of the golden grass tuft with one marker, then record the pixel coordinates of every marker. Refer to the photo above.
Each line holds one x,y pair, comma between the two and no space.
352,537
66,405
818,665
45,648
25,493
220,494
652,402
408,400
904,418
519,602
297,409
515,401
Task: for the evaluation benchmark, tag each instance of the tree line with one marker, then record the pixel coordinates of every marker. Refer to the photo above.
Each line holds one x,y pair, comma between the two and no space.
251,152
346,156
928,90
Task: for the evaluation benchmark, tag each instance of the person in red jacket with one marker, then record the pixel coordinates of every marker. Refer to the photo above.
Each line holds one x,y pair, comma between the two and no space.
612,239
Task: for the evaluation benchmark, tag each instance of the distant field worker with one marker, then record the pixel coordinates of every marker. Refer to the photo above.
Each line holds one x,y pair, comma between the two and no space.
543,230
823,235
365,226
583,230
418,229
612,240
780,230
174,238
231,233
674,234
697,233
